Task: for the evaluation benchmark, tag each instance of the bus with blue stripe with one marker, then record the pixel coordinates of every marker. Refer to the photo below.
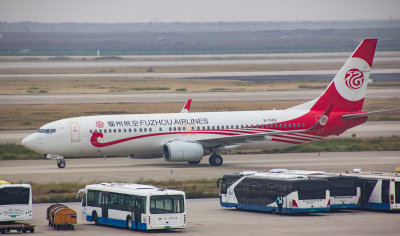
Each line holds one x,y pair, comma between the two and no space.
133,206
380,192
345,190
258,191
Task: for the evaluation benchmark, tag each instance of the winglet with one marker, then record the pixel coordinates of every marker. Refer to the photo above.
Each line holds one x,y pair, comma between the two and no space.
322,121
186,107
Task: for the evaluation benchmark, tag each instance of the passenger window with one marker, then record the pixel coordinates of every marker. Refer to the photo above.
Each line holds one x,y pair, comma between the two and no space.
134,130
119,130
170,129
213,127
294,125
150,129
115,130
280,125
290,125
130,130
145,129
298,125
284,125
95,130
208,127
174,128
105,130
303,124
276,125
90,131
124,130
160,129
140,129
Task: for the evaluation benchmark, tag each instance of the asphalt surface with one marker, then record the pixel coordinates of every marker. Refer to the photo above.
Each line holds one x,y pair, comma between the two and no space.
207,217
180,97
125,169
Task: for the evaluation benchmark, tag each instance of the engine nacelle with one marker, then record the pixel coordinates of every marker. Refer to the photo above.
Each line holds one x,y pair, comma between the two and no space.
181,151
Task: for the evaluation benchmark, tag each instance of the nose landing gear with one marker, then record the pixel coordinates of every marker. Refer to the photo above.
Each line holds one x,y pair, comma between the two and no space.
60,159
61,163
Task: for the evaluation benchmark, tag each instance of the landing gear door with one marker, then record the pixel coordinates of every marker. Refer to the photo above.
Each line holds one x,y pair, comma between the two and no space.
75,132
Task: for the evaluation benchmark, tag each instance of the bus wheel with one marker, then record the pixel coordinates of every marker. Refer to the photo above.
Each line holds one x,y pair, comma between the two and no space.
94,218
129,223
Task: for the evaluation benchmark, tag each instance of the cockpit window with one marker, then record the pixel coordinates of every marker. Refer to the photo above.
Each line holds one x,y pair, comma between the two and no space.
46,131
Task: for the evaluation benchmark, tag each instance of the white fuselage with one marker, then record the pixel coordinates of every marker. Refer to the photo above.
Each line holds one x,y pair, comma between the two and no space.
147,133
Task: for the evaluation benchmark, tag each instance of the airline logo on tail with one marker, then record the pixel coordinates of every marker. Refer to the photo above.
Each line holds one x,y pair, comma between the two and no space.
354,78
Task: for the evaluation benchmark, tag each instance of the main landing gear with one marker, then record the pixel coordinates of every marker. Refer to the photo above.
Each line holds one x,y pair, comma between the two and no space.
215,159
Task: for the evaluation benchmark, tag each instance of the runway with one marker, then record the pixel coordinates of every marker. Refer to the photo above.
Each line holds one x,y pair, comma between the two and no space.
128,170
179,97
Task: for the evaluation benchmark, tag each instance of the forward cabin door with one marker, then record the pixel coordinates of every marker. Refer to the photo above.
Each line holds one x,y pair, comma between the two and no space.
75,132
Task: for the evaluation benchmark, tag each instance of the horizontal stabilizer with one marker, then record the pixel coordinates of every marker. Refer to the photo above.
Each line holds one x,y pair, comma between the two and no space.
358,115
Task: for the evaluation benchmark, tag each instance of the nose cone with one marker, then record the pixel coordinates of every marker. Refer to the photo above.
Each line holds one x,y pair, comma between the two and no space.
30,142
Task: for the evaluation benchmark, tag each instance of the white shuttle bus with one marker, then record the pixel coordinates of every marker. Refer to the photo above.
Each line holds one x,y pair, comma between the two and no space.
258,191
134,206
380,192
15,202
345,190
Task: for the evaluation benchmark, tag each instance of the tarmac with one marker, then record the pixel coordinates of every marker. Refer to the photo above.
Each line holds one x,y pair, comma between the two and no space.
207,217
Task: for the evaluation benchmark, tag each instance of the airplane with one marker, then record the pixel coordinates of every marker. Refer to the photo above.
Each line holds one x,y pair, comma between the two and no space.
188,137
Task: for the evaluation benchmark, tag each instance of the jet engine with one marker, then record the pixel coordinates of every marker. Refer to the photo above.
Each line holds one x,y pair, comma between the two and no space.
181,151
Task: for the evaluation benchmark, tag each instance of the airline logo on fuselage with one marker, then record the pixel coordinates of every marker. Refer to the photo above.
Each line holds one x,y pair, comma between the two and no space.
354,78
100,124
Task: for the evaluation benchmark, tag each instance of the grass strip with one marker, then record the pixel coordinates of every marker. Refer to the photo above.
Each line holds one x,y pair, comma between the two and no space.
66,191
19,152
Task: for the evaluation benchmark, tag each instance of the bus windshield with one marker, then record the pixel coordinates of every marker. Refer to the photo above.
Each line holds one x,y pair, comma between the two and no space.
166,204
14,195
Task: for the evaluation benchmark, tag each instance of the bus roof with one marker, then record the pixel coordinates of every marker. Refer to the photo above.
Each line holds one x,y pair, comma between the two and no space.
15,185
131,188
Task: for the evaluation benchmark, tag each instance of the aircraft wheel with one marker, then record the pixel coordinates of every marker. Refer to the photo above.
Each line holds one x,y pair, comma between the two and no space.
215,160
218,160
61,164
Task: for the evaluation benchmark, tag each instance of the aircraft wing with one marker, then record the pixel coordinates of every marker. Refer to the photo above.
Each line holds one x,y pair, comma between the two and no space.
244,138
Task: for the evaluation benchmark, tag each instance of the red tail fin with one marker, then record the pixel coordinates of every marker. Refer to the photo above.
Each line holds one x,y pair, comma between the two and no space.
347,90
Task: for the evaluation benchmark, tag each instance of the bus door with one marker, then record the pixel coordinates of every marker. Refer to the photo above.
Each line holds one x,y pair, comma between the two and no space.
367,186
104,206
138,207
397,192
